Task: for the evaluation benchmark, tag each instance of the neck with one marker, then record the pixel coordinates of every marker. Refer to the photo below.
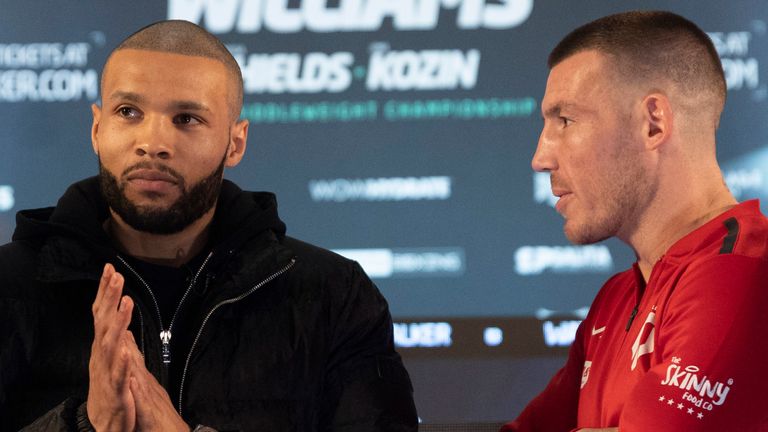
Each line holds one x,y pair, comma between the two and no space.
165,249
667,222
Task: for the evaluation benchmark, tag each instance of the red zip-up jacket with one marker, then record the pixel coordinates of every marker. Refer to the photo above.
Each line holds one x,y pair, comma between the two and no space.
686,351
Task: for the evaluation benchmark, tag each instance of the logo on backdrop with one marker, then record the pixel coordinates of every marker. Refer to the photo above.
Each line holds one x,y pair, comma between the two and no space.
49,72
412,262
559,334
741,180
534,260
746,175
252,16
422,334
742,70
542,189
384,69
381,189
335,72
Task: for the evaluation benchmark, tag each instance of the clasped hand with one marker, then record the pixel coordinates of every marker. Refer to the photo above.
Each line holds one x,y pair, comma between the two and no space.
123,395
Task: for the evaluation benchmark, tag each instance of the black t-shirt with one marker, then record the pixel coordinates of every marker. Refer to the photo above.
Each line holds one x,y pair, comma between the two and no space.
168,284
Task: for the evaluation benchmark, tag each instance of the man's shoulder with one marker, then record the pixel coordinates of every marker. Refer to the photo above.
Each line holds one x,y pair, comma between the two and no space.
18,260
620,281
319,259
747,235
17,255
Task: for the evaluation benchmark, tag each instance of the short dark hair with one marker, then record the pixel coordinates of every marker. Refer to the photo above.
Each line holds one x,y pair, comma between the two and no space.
186,38
649,45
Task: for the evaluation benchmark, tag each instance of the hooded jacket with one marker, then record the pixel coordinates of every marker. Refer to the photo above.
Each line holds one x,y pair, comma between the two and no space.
281,335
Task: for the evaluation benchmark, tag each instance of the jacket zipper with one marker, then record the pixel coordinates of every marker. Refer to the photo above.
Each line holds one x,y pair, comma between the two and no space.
208,316
165,334
141,329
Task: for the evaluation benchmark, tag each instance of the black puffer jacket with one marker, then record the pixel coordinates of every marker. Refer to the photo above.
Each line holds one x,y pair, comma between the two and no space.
285,336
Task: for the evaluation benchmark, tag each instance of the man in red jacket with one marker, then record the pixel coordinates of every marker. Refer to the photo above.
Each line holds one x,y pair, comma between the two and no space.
677,342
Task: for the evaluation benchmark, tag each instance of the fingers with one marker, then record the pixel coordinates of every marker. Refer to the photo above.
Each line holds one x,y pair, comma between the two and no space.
138,371
113,290
136,359
122,371
106,274
111,312
110,402
109,291
106,297
111,316
122,315
146,406
154,409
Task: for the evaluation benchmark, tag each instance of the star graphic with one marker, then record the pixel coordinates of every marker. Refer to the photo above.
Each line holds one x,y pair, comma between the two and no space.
690,411
661,399
670,402
679,406
700,416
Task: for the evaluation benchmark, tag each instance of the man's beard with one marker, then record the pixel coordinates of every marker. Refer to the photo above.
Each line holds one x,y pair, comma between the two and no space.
629,191
193,203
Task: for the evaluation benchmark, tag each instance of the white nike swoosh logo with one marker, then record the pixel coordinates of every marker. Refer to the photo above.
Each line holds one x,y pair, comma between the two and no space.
597,331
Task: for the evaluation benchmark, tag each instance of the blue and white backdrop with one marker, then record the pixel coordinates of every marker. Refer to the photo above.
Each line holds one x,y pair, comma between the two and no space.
399,133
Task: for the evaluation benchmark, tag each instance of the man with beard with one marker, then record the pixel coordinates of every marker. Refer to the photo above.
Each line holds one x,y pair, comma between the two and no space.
160,297
677,342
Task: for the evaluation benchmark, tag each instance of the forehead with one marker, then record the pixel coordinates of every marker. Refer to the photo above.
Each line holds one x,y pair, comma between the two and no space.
165,74
583,79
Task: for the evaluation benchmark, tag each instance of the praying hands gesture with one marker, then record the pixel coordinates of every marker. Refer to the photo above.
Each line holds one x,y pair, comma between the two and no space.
123,395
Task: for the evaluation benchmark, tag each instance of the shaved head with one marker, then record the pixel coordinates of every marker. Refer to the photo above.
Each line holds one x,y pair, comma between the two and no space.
186,38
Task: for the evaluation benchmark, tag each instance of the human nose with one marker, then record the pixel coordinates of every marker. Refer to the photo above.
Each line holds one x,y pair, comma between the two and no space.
153,138
544,158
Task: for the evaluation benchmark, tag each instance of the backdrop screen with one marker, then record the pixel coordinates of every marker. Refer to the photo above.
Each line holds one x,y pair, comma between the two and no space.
398,133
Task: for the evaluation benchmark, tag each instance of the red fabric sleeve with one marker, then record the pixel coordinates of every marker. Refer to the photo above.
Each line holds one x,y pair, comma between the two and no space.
555,408
712,364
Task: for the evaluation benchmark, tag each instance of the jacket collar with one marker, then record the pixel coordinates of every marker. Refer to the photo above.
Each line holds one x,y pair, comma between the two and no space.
73,244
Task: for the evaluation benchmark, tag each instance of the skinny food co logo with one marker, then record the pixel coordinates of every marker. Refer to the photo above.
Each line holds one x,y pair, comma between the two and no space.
700,393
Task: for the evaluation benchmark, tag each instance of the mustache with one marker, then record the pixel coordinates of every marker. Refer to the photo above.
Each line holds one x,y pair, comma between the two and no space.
154,166
555,182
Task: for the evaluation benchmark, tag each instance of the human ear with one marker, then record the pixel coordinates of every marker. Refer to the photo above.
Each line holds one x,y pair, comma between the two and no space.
96,111
658,120
238,137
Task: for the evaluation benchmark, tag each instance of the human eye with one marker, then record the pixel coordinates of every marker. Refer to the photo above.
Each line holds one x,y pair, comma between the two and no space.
185,119
565,121
128,112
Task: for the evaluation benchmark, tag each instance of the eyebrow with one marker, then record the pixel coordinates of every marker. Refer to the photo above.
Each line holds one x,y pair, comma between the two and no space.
187,105
127,96
556,109
190,106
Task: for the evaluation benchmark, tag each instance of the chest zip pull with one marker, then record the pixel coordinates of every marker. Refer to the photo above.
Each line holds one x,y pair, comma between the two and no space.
165,337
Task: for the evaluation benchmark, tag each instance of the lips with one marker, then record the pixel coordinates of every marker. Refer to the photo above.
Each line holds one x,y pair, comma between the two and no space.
151,175
150,181
558,191
564,195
